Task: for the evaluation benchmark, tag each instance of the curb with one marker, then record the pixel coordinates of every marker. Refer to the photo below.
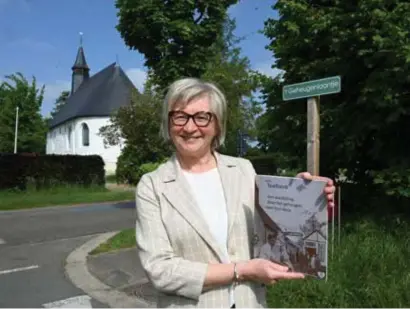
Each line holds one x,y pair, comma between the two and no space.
77,271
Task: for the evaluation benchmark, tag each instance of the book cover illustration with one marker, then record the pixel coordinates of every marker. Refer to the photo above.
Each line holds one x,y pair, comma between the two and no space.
291,227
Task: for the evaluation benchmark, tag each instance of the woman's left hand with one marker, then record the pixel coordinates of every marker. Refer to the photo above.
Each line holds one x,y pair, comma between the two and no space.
329,189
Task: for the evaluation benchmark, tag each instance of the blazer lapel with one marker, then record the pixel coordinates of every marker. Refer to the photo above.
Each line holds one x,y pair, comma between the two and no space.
230,177
178,193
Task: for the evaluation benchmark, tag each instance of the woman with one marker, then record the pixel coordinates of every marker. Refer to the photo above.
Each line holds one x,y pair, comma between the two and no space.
195,213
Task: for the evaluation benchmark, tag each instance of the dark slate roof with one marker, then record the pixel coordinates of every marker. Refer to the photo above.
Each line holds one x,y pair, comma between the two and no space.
80,62
97,96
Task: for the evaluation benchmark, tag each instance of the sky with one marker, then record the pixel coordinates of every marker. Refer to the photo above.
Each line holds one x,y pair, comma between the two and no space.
40,38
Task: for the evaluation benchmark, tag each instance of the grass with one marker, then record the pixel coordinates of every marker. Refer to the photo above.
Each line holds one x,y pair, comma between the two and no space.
370,268
124,239
13,200
111,178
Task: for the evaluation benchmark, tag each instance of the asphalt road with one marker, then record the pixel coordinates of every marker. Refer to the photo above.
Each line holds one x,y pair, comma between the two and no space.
34,245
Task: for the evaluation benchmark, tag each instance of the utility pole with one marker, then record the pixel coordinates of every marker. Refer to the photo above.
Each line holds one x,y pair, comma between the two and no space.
16,129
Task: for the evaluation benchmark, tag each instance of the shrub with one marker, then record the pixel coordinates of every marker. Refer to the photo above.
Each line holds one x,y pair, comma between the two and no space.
129,164
17,171
147,168
274,164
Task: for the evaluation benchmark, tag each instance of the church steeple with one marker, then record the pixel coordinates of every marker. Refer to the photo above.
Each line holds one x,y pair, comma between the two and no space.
80,68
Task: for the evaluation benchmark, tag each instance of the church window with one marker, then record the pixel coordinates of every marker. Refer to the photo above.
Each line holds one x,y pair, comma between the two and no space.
86,134
69,137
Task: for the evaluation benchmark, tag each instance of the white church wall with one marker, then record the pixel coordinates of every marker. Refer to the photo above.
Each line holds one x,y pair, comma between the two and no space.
59,142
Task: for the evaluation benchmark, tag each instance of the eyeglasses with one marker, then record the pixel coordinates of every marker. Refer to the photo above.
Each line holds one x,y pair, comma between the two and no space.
201,119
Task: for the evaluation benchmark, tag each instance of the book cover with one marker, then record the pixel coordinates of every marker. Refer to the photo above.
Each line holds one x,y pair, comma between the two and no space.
291,223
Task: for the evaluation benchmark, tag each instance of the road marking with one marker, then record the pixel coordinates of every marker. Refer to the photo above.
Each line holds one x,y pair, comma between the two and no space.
83,301
9,271
2,241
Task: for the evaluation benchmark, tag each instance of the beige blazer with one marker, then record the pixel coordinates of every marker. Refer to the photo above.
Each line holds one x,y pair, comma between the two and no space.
175,244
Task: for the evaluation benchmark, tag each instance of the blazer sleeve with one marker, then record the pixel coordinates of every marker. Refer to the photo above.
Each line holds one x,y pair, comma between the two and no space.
167,272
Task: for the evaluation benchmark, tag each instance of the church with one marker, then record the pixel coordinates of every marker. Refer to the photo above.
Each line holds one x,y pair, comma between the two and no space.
92,100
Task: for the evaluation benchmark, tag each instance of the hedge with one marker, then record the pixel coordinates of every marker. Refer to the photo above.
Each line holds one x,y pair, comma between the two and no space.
17,171
273,163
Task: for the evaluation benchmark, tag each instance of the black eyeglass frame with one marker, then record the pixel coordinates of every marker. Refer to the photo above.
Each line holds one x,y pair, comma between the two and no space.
189,116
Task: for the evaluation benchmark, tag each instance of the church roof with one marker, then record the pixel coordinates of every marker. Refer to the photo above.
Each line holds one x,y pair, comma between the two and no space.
80,62
97,96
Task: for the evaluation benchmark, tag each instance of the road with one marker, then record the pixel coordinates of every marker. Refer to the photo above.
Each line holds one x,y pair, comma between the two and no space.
35,243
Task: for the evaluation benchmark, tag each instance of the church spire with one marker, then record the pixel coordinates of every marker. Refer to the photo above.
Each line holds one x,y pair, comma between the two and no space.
80,68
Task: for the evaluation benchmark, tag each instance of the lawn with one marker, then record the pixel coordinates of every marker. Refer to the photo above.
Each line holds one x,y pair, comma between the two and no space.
124,239
12,200
370,268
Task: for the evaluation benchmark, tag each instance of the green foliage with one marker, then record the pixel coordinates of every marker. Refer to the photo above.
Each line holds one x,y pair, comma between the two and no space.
122,240
150,167
175,37
394,181
16,91
368,44
18,171
274,164
61,100
130,169
65,195
232,73
137,125
128,165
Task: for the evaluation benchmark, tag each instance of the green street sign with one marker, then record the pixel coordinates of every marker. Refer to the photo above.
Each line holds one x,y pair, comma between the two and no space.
312,88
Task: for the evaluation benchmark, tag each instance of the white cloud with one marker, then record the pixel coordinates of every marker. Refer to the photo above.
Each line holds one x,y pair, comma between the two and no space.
52,92
138,77
266,68
31,44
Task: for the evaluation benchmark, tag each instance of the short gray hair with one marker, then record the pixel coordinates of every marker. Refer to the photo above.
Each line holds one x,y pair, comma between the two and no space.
184,91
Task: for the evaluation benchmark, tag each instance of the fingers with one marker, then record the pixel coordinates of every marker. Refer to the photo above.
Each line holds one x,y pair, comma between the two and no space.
305,175
278,267
330,190
330,197
277,272
287,275
308,176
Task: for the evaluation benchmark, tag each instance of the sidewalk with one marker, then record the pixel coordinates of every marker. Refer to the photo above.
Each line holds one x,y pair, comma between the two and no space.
115,279
122,271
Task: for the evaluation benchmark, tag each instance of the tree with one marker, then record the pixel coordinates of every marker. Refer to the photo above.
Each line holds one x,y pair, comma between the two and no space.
368,44
137,127
61,100
232,73
176,37
16,91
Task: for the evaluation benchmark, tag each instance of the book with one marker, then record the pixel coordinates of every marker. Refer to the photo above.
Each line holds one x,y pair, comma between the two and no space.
291,225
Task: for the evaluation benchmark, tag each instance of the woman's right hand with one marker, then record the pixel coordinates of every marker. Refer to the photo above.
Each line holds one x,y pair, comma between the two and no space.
265,271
